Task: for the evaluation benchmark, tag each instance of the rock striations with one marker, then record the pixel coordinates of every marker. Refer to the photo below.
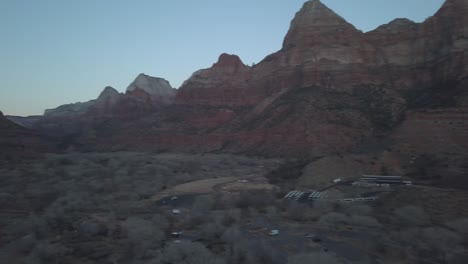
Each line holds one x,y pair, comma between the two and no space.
316,24
330,90
152,90
225,83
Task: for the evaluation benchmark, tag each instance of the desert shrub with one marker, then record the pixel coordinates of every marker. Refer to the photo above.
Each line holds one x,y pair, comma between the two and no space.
142,235
300,212
315,257
45,252
189,166
161,222
271,211
459,258
435,243
325,206
256,199
442,240
26,243
287,171
39,226
65,161
240,250
61,172
215,229
358,209
93,227
212,231
263,253
386,246
431,244
333,220
187,253
21,227
364,221
232,235
65,211
195,220
460,226
202,204
412,216
230,217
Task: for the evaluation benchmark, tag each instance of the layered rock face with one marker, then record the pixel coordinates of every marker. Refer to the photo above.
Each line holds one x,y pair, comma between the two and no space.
151,90
330,90
144,95
224,84
74,109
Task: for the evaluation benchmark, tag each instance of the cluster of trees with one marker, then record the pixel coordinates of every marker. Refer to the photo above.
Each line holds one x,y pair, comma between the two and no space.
92,207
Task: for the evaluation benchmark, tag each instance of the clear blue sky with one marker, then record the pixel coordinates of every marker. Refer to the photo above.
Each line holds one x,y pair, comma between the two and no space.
54,52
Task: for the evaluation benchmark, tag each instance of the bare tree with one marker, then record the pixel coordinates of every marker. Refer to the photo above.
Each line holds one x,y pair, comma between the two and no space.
187,253
412,216
142,235
315,257
333,220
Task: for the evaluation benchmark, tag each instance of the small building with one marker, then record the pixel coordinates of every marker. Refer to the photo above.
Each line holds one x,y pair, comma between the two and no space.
176,211
408,183
316,195
377,179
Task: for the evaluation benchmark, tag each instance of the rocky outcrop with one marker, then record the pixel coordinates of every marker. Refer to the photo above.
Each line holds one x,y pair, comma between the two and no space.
74,109
70,122
433,144
151,90
109,96
225,83
315,24
106,102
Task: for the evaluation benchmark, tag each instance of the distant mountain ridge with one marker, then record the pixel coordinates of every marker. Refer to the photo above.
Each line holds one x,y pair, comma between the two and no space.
18,143
330,90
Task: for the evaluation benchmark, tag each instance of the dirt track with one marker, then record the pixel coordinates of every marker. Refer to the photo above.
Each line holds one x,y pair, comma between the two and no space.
195,187
212,185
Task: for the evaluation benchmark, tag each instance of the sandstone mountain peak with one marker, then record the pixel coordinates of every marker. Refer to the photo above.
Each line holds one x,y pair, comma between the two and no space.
313,20
153,90
151,85
456,3
315,3
228,60
109,94
454,10
397,25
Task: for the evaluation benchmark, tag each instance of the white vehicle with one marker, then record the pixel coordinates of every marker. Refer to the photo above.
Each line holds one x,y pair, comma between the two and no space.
274,232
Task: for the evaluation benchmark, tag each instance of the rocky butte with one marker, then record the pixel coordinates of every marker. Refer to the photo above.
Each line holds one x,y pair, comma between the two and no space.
392,99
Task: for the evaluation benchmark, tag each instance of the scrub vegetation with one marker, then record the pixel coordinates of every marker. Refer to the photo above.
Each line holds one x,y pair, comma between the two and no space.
105,208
